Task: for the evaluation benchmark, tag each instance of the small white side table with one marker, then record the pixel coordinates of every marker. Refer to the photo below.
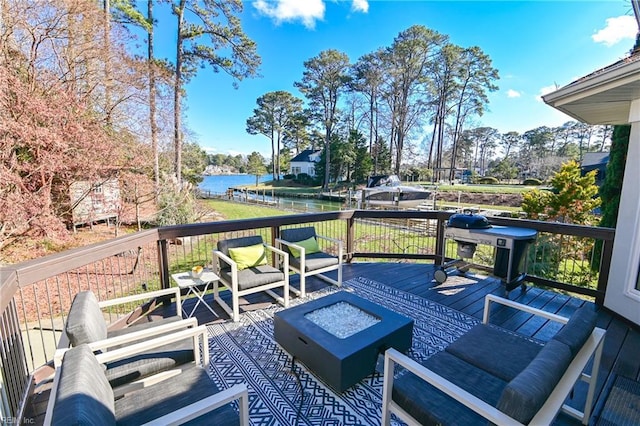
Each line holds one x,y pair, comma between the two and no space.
185,280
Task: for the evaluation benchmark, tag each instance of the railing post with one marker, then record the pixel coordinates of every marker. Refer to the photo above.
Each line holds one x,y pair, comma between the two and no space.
350,236
605,267
440,246
275,233
163,264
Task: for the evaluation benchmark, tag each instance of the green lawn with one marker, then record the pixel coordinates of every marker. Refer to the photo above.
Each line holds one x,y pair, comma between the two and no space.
231,210
487,189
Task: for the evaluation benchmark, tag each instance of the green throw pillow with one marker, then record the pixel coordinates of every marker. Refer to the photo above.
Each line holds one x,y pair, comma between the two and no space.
310,245
247,257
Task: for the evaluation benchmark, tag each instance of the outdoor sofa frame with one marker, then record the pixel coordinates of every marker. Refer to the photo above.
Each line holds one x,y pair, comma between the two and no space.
181,414
545,415
136,333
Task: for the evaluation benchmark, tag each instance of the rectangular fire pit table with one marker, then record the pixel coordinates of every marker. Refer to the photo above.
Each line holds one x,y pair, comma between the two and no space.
341,362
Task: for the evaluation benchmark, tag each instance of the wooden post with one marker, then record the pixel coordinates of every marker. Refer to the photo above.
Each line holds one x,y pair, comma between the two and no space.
275,233
350,238
605,267
440,245
163,264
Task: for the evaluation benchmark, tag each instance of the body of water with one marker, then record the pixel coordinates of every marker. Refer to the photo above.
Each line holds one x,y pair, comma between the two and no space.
218,185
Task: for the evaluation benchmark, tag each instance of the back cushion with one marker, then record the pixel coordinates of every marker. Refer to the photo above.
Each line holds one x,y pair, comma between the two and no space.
578,329
298,234
84,396
527,393
225,245
248,257
310,246
496,351
85,323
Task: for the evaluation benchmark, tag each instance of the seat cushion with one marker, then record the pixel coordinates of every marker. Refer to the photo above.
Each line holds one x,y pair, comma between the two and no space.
83,396
523,397
85,323
314,261
254,277
148,363
578,329
191,385
143,325
429,406
496,351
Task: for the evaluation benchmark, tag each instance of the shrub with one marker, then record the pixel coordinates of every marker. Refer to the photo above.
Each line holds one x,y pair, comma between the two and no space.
532,182
488,180
305,179
175,207
289,176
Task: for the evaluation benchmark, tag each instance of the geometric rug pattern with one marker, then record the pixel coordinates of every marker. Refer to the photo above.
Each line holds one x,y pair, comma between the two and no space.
245,352
623,404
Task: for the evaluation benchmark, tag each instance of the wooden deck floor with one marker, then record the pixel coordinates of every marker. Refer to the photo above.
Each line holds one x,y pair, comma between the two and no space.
622,343
621,348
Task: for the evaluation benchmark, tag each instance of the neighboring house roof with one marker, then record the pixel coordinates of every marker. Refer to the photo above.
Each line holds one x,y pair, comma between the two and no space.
305,156
595,159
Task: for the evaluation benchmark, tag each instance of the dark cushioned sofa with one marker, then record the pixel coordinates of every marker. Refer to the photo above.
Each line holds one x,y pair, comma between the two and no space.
491,375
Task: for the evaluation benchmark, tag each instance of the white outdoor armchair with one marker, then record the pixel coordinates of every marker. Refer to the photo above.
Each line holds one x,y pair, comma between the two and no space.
249,273
307,258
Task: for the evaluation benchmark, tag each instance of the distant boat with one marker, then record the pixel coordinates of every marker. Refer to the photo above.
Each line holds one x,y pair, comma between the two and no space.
388,191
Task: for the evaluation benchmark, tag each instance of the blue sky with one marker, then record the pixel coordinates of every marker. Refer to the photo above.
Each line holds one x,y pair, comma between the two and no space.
536,46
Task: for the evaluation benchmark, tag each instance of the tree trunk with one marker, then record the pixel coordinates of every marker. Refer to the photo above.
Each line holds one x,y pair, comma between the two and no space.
107,62
327,162
153,125
177,139
279,172
273,154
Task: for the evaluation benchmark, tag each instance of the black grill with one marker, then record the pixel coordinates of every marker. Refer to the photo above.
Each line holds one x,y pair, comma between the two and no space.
468,221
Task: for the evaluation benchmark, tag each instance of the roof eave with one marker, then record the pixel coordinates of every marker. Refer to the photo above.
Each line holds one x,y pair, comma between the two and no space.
572,98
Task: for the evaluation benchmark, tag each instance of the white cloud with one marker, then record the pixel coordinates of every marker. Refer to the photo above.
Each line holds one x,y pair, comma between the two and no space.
513,93
360,6
545,90
616,30
307,11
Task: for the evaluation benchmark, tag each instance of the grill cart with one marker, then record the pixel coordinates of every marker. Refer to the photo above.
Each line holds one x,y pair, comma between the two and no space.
510,246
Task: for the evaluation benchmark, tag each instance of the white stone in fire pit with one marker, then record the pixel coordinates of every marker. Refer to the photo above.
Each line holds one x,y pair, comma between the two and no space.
342,319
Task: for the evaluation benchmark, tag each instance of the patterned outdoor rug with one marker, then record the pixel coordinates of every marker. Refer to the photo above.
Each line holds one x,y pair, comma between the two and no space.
623,404
245,352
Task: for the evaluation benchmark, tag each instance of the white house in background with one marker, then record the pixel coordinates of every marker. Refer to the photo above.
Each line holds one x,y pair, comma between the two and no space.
305,162
612,96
